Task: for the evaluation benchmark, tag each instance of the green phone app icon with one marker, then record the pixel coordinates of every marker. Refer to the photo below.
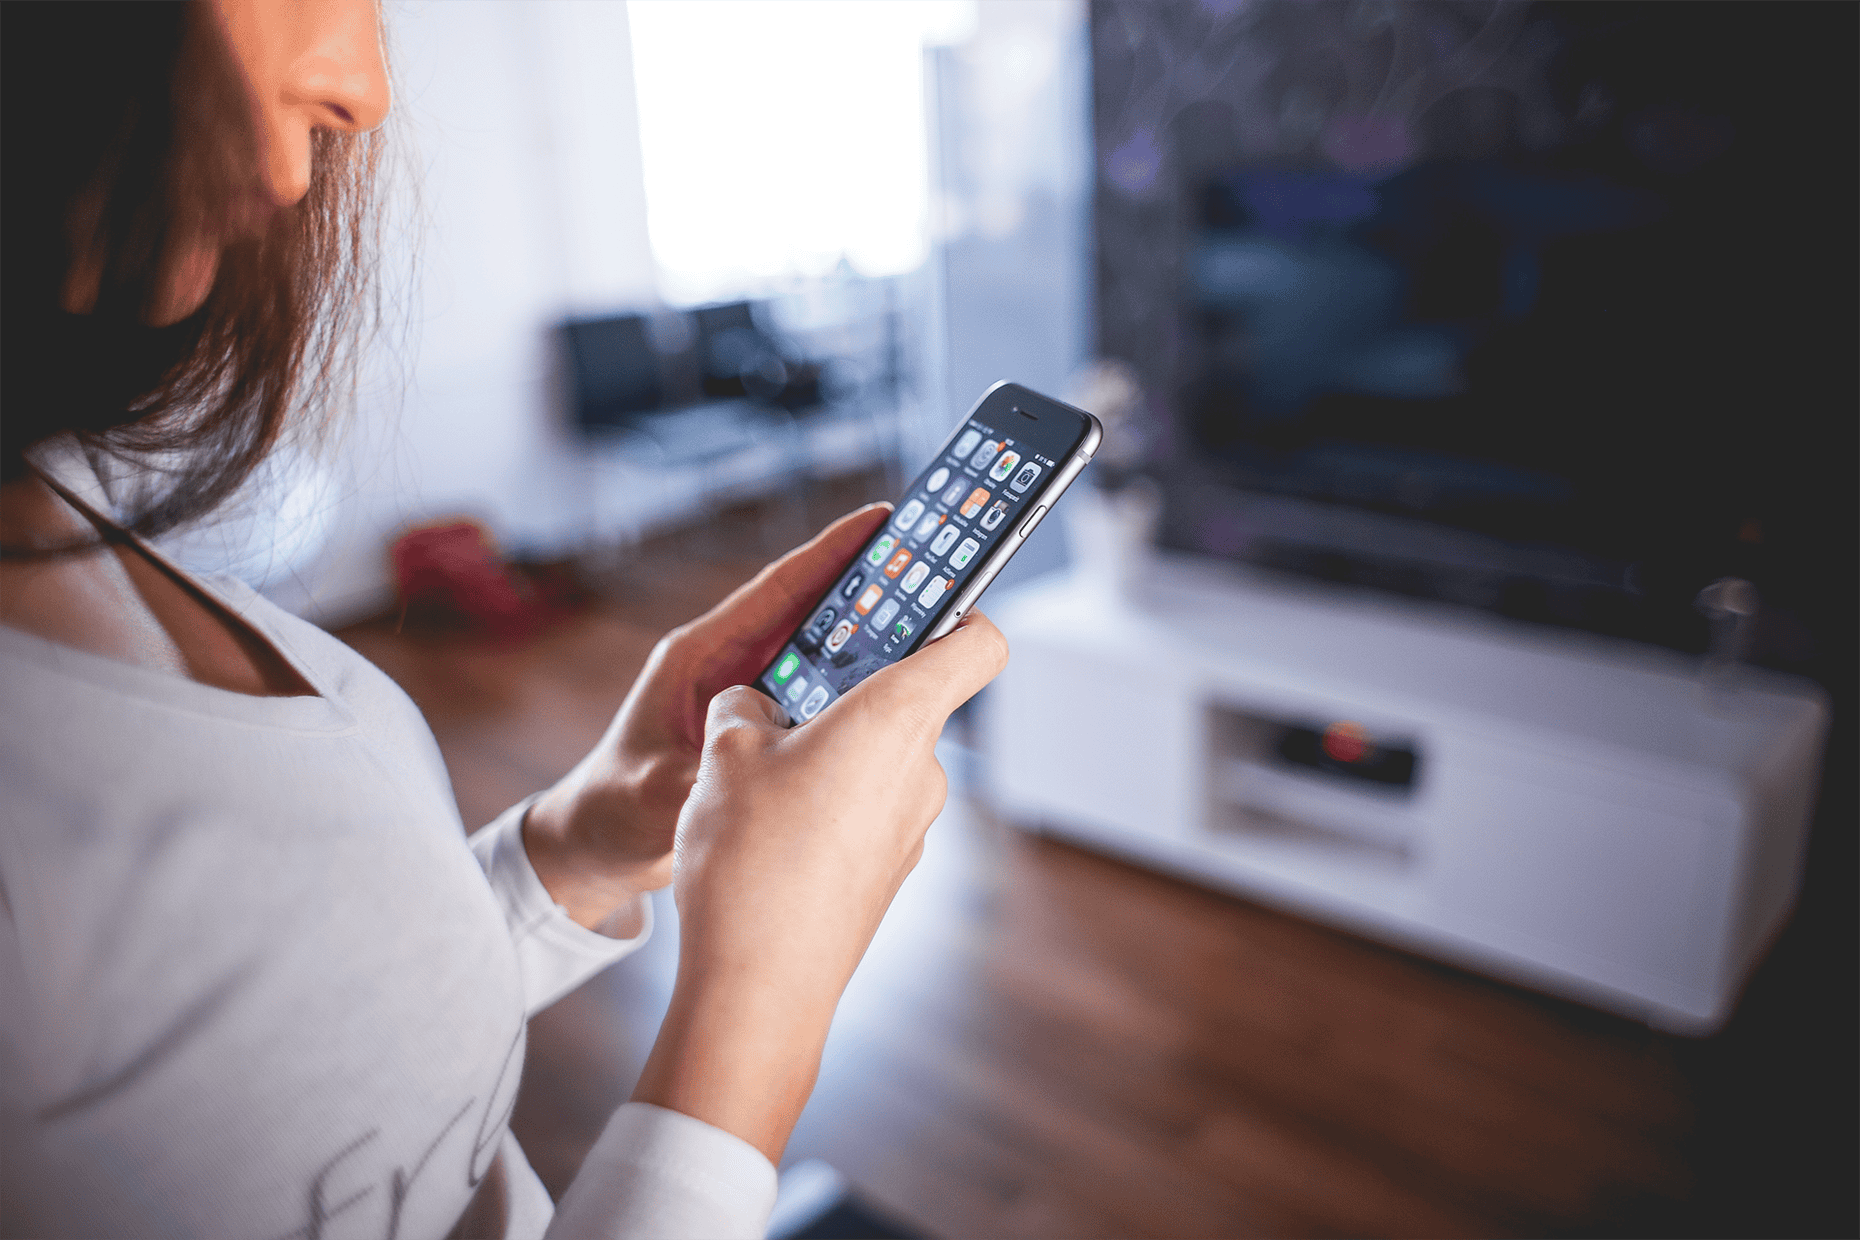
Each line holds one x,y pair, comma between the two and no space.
786,667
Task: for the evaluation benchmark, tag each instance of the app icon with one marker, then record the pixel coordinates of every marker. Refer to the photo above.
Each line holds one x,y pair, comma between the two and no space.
1004,466
786,667
823,620
964,553
945,540
903,628
796,689
1025,477
953,492
815,700
933,592
936,480
984,454
897,564
880,550
993,516
967,443
841,634
907,516
884,614
915,577
869,599
927,526
973,504
852,585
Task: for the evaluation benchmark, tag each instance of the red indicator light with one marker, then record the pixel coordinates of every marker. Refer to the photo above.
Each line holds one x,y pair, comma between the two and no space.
1347,742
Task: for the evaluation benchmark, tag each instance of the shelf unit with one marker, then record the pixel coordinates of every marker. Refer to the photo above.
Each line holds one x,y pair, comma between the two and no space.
1587,816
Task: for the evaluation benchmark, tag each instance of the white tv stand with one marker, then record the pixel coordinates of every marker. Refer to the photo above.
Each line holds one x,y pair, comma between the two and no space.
1586,816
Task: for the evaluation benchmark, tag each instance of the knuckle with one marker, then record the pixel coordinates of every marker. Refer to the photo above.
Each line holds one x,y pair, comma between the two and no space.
728,719
996,644
672,646
734,701
685,634
934,784
732,740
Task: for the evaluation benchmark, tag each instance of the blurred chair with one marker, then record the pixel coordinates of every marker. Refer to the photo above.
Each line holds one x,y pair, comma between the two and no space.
635,391
620,386
734,401
616,372
741,357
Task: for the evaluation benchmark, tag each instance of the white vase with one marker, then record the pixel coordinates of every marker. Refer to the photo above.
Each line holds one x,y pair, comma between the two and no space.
1112,535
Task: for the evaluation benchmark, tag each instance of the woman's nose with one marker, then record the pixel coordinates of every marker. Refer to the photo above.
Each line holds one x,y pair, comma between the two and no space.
318,64
339,76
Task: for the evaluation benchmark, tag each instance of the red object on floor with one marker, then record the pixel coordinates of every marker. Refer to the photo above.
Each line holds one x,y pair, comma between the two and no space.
454,571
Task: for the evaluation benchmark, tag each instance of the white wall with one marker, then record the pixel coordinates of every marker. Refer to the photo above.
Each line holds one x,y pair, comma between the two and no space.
520,202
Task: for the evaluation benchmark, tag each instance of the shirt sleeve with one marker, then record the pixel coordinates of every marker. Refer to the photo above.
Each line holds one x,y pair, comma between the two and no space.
661,1173
554,953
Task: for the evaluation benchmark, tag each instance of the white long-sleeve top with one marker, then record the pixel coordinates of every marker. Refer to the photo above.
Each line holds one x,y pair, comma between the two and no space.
254,983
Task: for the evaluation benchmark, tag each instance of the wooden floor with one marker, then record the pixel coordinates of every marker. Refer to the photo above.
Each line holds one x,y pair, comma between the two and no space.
1046,1042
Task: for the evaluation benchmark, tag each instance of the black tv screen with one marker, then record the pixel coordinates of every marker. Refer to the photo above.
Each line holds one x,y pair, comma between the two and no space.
1548,309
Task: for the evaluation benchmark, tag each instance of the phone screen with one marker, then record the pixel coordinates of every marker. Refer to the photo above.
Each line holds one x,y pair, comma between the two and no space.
991,474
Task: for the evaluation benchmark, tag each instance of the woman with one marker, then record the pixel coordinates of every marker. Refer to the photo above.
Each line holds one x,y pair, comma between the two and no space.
250,981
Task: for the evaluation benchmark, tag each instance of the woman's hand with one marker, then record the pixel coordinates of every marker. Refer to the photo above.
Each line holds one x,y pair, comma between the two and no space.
604,833
790,848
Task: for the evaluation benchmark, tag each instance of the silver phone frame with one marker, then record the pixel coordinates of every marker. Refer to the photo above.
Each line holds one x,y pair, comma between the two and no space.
1004,550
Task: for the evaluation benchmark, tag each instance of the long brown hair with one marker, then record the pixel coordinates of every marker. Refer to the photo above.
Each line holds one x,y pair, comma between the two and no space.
123,124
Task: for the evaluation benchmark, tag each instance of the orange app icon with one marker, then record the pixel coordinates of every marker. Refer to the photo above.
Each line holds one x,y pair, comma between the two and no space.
841,634
897,564
973,504
869,599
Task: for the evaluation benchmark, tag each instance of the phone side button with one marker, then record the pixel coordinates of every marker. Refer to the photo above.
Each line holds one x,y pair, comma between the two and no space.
1033,520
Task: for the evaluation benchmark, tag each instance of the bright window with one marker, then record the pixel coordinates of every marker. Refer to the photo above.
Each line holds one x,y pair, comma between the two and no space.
782,136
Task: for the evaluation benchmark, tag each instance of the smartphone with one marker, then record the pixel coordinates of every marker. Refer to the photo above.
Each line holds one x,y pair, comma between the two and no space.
998,474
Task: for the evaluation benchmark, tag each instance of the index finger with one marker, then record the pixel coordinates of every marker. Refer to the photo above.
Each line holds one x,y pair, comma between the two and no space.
742,633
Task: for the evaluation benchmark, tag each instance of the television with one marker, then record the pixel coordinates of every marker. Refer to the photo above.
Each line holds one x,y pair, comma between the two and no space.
1546,309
